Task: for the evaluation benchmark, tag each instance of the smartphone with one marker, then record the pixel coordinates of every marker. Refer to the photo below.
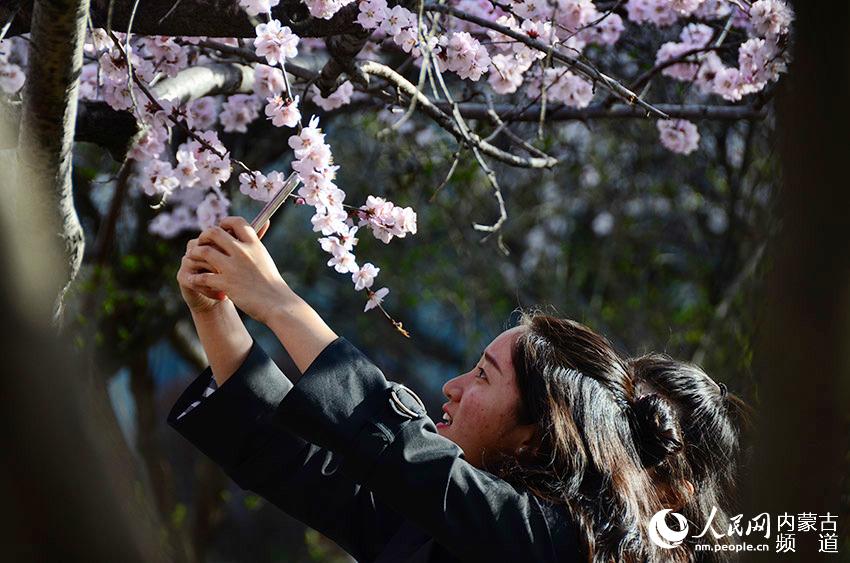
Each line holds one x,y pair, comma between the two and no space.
276,201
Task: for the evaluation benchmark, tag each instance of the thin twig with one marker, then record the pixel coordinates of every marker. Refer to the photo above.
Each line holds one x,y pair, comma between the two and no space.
455,161
488,172
127,53
423,73
398,325
501,127
170,11
14,12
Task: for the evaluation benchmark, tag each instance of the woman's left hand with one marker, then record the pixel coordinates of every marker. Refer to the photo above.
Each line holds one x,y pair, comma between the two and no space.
246,272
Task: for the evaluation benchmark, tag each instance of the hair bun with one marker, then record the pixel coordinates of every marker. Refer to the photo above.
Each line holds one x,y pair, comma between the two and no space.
656,429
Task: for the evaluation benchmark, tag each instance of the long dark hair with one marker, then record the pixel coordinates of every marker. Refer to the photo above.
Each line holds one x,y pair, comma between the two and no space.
706,421
577,390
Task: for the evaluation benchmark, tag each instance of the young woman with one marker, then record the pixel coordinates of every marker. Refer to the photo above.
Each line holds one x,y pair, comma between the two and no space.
695,466
535,459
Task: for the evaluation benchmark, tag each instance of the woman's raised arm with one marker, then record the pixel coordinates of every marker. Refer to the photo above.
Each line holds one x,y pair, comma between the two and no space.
222,334
246,272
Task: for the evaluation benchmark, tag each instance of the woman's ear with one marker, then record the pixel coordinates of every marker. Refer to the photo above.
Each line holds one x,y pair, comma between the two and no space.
526,438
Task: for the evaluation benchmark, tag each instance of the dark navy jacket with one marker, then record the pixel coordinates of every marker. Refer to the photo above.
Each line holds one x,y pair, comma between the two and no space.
356,457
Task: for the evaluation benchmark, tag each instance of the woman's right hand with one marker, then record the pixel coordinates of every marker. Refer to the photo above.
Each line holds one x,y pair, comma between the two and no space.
201,301
198,301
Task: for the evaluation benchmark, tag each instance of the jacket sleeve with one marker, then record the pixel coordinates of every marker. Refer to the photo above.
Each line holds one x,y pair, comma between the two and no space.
387,442
233,426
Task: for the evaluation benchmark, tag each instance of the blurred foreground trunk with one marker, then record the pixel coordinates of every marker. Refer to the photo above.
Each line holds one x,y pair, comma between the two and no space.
803,355
69,484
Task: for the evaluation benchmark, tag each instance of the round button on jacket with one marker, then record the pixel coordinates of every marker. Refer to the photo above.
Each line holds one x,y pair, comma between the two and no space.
405,402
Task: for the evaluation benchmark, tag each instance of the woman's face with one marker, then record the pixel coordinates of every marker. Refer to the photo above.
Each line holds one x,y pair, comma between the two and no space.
484,403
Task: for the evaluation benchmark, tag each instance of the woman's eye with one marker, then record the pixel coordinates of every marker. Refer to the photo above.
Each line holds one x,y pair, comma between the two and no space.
481,373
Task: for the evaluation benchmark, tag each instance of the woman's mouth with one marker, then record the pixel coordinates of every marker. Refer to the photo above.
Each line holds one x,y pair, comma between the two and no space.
446,422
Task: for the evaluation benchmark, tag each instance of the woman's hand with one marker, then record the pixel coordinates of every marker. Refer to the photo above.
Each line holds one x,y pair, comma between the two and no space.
201,299
239,266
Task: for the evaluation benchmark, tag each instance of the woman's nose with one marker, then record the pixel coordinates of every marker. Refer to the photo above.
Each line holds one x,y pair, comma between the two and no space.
453,388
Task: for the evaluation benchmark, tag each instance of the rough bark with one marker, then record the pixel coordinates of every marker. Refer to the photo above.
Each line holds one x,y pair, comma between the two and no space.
802,356
47,128
342,50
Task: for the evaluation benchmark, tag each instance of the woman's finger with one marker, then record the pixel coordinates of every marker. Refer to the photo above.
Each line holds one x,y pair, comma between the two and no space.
205,281
211,293
220,238
240,228
208,254
263,230
194,266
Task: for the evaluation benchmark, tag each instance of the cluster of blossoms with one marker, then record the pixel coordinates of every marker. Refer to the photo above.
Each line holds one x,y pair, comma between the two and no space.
761,58
400,24
561,85
340,97
238,112
663,13
259,186
678,135
760,61
313,158
464,55
275,42
317,173
192,180
462,52
386,220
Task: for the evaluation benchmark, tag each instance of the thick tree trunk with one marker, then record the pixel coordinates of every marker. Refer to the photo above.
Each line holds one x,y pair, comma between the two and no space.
47,129
802,357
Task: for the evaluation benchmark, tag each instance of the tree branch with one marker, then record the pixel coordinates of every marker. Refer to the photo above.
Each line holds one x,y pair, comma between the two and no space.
446,122
599,111
47,130
113,130
211,18
250,56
